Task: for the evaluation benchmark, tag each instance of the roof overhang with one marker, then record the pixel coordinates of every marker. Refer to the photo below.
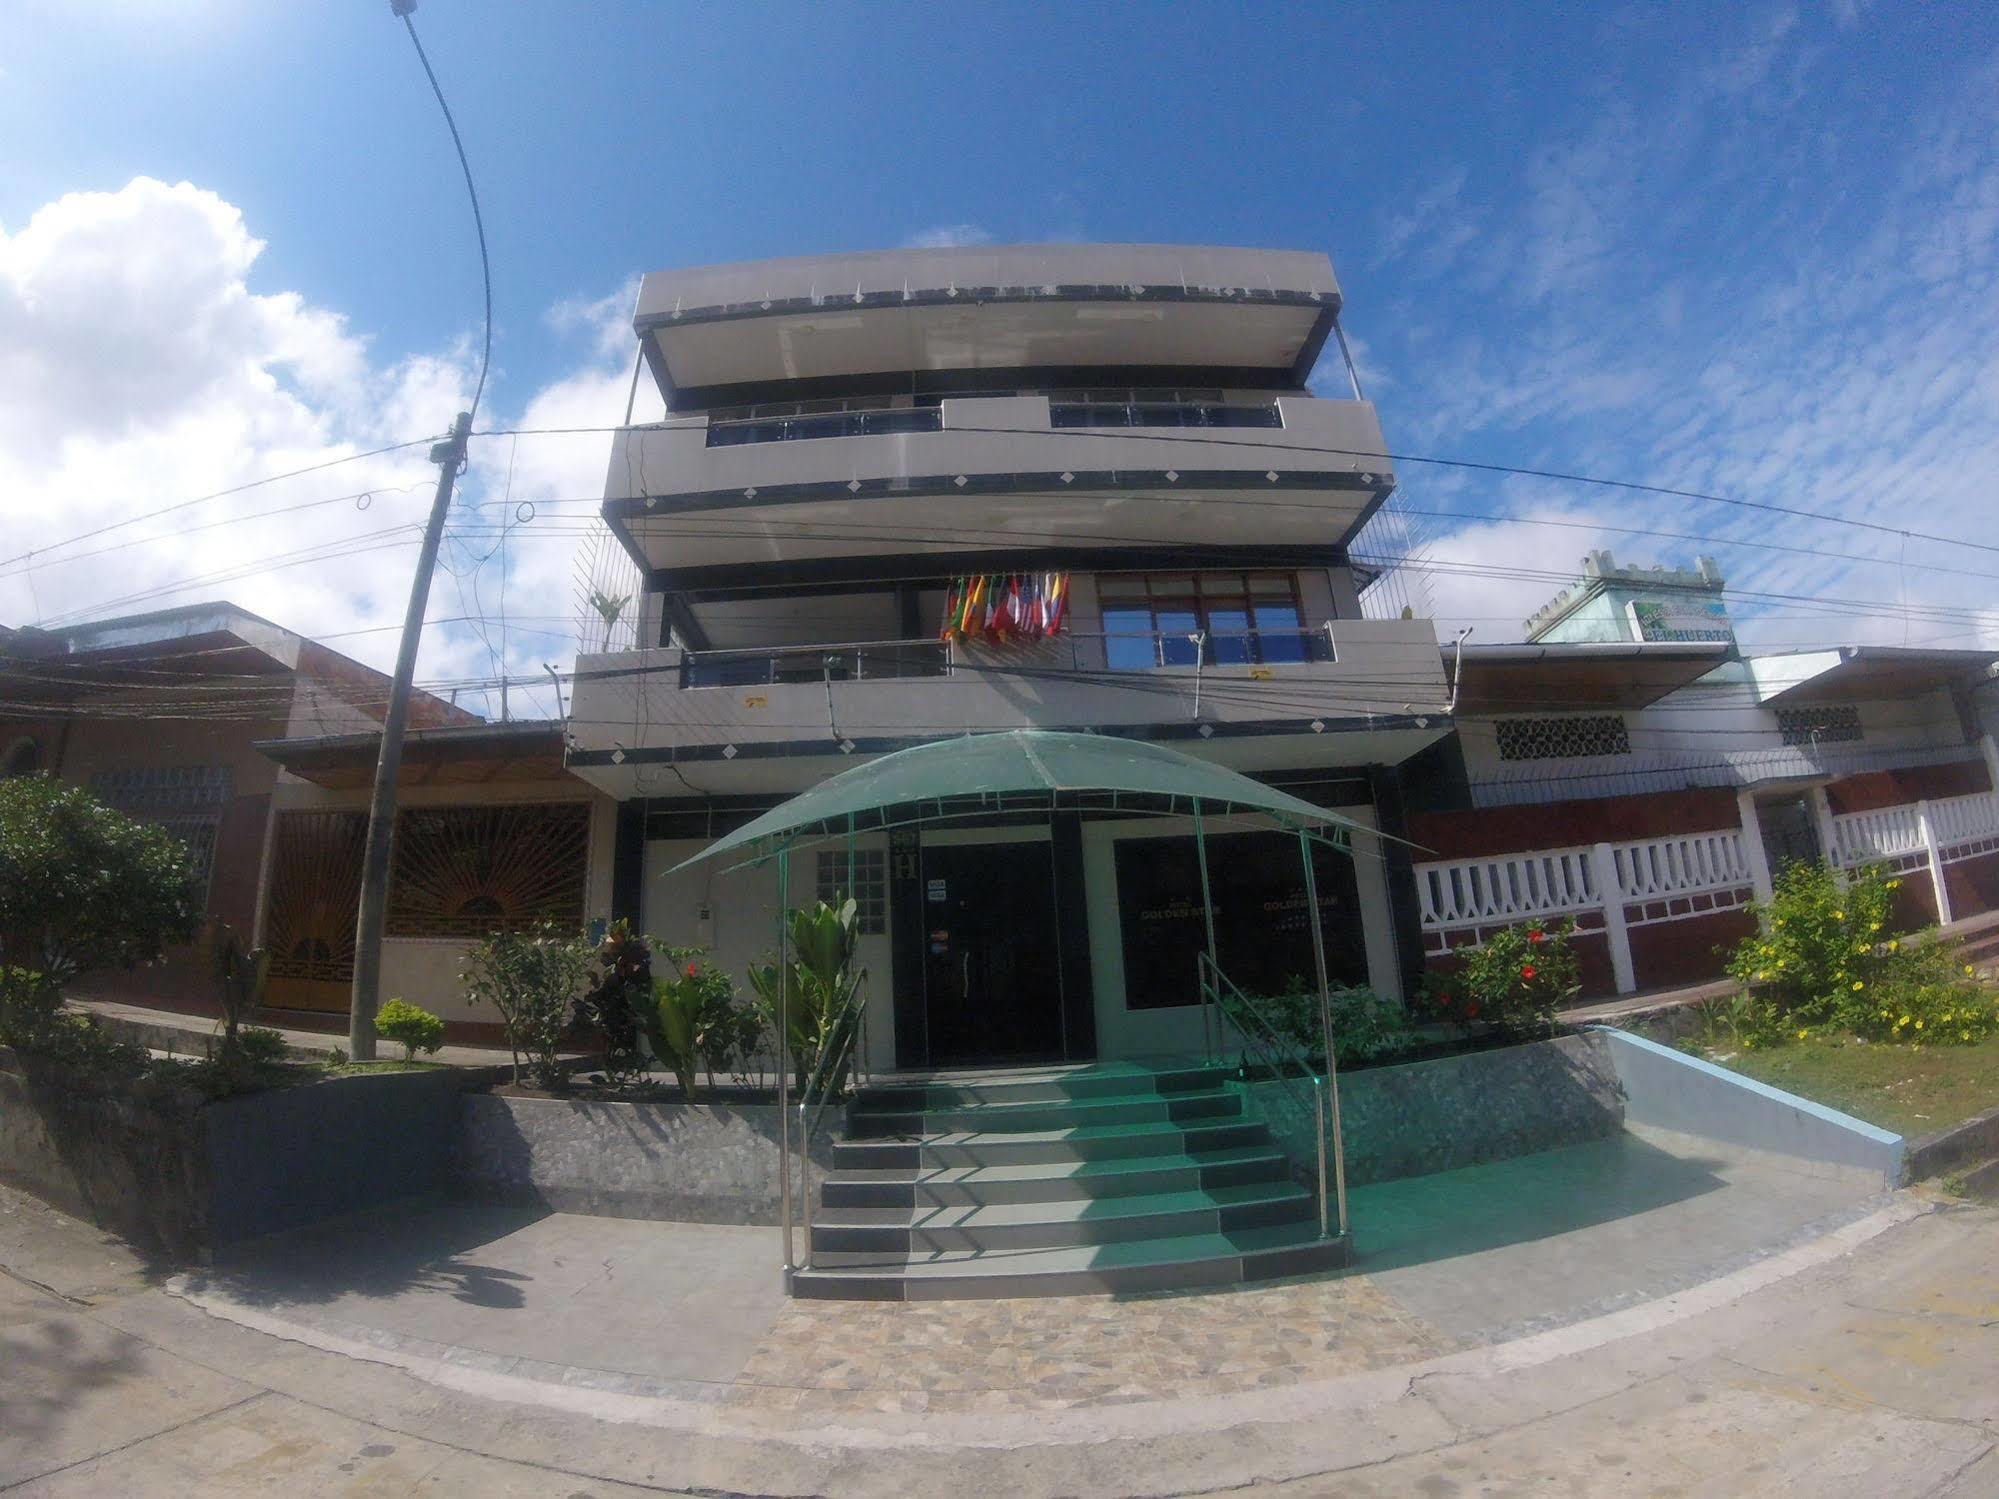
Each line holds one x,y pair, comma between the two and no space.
468,755
1496,679
1042,307
1851,673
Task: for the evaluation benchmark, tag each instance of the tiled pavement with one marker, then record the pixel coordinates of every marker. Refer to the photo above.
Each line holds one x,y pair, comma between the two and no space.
823,1357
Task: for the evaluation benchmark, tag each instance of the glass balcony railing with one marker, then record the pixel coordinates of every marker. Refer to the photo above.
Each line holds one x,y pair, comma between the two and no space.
867,662
824,424
1161,414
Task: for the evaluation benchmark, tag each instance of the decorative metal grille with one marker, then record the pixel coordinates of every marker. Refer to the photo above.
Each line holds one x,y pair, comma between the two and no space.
1827,723
870,890
315,890
468,871
1562,738
163,790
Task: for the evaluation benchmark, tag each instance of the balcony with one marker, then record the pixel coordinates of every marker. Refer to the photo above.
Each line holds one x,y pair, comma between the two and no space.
1351,692
991,473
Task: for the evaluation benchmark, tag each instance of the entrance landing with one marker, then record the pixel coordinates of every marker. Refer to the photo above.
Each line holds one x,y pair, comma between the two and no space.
1036,1181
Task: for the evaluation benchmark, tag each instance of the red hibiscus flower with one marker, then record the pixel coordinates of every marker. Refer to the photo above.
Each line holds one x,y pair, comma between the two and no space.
1527,970
694,970
1471,1012
1537,936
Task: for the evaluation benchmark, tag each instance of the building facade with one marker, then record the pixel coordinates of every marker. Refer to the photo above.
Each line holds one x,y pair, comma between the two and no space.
900,497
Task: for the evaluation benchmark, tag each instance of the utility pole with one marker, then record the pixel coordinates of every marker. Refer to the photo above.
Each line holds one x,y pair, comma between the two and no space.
449,456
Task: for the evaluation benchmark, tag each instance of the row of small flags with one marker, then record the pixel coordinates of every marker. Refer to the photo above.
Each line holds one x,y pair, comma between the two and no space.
1005,606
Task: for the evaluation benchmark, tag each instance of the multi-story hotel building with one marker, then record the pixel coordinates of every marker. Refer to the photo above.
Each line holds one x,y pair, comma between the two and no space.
906,496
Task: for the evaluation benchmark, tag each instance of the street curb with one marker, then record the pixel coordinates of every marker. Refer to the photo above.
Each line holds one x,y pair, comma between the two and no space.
1976,1139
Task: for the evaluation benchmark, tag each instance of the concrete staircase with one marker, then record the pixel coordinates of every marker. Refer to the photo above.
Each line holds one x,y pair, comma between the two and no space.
1057,1181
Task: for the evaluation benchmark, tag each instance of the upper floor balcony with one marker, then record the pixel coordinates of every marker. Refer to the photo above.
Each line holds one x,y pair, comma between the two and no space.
711,499
1349,692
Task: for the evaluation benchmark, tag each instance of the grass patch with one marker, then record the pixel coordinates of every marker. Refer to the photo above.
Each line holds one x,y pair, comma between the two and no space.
1909,1090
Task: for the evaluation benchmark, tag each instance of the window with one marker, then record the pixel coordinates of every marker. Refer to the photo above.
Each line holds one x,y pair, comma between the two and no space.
186,800
870,890
467,871
1832,723
1562,738
1150,619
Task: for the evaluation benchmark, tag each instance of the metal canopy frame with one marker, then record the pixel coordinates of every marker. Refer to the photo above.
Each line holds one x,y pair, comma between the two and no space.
1235,795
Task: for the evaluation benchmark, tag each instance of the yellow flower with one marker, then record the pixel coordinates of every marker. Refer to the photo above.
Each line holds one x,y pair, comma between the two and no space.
1859,984
1964,1035
1894,884
1875,928
1903,1021
1969,969
1839,916
1919,1025
1895,944
1803,1034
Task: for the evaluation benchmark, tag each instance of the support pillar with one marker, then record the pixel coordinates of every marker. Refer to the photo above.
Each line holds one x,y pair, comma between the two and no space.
1933,856
1828,832
1753,851
1610,890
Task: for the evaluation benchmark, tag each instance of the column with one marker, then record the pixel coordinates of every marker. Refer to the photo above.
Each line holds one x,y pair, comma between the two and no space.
1828,839
1934,856
1752,846
1610,890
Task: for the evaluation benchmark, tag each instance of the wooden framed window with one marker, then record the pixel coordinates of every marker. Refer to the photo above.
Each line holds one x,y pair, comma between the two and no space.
1152,619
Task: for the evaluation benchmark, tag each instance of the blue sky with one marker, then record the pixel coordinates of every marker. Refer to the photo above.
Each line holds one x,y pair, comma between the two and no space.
1748,248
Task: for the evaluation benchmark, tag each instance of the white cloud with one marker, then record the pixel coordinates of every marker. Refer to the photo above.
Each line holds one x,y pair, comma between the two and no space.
140,367
948,236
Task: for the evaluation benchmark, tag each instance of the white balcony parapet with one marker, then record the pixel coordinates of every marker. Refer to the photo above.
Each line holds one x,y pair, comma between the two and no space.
1686,863
1506,889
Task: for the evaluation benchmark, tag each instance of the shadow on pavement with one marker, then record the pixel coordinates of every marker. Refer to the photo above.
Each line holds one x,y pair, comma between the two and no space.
417,1245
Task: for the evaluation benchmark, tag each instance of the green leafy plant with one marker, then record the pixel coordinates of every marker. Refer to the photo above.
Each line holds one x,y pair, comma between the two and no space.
34,1023
695,1021
1921,995
84,887
1513,981
412,1025
618,998
1366,1026
1819,942
261,1046
1741,1022
533,979
820,999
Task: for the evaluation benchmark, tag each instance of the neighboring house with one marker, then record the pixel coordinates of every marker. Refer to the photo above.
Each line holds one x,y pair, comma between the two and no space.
1680,773
1114,444
490,832
158,714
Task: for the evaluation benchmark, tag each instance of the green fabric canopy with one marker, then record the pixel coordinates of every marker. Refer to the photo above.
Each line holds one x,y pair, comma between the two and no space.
1051,767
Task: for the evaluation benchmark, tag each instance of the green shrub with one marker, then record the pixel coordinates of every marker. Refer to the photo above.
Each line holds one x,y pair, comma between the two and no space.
412,1025
695,1020
820,998
1366,1027
1924,995
1515,980
534,979
261,1046
618,997
34,1023
85,887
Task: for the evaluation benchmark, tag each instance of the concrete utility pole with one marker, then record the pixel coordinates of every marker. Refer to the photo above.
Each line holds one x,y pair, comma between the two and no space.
449,456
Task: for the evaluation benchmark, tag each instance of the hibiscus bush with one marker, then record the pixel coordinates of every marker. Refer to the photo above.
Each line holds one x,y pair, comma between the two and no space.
1515,980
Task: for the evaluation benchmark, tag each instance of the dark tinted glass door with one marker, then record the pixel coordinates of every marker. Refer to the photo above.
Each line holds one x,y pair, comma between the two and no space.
992,972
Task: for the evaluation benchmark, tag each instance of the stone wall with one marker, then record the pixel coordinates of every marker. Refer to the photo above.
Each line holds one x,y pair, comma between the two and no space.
183,1177
1438,1115
708,1163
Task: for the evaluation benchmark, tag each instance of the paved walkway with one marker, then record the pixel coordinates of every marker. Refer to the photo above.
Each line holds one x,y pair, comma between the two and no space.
1651,1318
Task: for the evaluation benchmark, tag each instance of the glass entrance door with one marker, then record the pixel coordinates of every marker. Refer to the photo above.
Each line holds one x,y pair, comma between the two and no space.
992,968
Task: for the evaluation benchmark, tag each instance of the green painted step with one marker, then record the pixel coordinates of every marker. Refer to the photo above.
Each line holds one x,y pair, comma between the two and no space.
1039,1225
871,1123
1021,1147
1190,1261
1050,1085
944,1186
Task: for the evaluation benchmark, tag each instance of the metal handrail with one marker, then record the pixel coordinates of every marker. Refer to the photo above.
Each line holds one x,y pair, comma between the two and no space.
832,1056
1225,1004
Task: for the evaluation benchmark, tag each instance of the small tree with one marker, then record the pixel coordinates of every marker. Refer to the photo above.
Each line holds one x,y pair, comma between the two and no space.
534,980
415,1027
84,887
820,1004
619,996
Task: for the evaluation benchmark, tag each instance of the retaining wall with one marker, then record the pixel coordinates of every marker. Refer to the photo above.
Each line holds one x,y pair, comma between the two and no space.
702,1162
1421,1117
1667,1089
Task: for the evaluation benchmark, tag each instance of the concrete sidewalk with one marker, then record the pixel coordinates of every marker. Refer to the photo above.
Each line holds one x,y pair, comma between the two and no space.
1581,1326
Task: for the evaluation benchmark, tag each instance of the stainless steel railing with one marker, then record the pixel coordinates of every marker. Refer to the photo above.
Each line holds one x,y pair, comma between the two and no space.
1225,1007
822,1084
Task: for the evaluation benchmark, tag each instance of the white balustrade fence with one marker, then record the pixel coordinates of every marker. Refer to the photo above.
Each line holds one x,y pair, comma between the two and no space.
1658,868
1513,887
1923,835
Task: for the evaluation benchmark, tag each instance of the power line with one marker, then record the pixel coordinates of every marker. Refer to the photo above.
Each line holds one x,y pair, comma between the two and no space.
403,8
1475,465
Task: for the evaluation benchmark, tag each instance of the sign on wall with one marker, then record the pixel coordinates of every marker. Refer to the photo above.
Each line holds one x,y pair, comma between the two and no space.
1680,619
